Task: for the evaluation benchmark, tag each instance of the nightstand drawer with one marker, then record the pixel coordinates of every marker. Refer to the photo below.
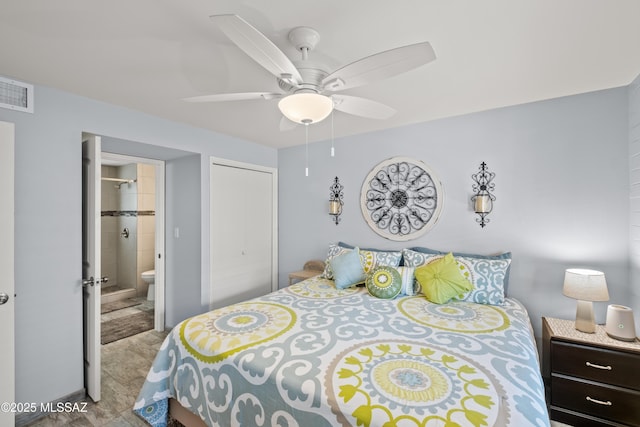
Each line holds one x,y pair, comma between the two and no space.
610,403
596,364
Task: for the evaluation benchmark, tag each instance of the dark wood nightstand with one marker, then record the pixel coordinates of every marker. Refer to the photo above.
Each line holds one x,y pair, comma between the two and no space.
590,379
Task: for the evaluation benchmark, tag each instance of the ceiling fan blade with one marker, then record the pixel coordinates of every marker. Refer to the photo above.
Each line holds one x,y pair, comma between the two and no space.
258,47
362,107
240,96
380,66
286,124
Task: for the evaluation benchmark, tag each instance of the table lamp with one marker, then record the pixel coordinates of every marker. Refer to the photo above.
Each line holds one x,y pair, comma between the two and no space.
585,286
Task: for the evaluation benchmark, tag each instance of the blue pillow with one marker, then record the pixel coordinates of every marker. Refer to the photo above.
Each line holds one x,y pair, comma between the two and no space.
347,269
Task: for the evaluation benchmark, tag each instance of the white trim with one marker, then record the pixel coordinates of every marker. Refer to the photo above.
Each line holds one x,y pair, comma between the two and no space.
159,306
274,230
7,275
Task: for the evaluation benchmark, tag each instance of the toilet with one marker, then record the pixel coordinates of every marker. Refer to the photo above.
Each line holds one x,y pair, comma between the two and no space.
149,277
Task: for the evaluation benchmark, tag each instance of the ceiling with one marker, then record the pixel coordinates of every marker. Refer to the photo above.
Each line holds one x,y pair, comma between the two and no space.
148,55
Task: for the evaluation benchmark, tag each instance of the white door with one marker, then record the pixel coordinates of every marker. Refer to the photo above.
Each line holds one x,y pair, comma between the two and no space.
91,275
7,339
243,232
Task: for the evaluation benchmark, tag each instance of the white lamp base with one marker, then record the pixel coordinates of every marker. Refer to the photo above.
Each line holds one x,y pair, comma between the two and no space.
585,320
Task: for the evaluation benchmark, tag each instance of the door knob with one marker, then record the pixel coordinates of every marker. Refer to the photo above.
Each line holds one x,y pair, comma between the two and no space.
91,281
3,298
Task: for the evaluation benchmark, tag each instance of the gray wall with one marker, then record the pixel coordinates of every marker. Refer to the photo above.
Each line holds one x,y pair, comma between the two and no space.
561,186
48,235
184,191
634,197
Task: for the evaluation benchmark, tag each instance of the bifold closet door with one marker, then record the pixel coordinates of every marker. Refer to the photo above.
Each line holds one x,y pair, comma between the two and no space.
241,234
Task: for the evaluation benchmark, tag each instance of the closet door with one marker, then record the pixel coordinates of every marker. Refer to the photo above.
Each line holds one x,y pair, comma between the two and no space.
243,232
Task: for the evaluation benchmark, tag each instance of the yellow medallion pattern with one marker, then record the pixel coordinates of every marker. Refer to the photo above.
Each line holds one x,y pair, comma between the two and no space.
406,383
319,288
456,316
213,336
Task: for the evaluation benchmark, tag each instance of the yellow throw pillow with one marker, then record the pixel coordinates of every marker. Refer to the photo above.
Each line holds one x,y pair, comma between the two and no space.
441,280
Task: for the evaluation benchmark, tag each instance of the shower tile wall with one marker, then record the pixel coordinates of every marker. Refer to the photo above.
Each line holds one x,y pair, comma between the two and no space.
127,247
110,225
146,200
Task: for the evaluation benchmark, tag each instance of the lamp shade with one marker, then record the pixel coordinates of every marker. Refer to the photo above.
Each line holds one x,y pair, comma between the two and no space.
585,285
306,107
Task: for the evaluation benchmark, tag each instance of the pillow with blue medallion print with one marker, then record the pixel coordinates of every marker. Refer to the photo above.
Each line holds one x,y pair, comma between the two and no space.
372,258
504,255
486,274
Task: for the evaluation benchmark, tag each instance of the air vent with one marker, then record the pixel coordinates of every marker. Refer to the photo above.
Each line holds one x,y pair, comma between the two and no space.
16,95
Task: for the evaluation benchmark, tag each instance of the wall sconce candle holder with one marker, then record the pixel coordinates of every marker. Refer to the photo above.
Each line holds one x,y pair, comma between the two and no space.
336,200
483,198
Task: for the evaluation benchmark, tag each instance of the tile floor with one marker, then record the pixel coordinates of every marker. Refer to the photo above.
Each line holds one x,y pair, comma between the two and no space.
125,364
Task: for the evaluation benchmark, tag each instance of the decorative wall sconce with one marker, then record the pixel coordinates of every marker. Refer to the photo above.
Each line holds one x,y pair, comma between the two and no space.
335,200
483,198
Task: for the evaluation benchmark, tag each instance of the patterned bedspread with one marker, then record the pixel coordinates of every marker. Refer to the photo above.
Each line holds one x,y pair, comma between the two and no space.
312,355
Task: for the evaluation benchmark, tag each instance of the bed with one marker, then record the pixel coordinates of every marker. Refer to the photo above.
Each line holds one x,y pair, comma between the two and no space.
313,354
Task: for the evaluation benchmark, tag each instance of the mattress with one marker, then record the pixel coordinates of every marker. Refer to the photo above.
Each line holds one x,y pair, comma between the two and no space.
313,355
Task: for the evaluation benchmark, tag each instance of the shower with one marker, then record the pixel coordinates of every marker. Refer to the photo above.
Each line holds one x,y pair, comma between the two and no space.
120,181
128,228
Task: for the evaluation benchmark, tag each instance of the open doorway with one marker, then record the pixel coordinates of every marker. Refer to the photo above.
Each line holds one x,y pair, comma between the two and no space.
93,278
132,245
176,208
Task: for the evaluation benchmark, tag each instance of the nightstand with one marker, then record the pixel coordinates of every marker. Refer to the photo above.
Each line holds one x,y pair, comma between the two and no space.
310,269
590,379
302,275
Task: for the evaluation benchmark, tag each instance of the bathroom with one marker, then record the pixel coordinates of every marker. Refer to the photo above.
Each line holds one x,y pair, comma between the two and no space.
128,239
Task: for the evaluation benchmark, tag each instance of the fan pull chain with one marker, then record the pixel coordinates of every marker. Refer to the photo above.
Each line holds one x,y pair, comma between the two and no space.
306,147
333,152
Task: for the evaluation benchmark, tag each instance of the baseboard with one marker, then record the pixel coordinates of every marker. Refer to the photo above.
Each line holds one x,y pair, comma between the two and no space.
28,417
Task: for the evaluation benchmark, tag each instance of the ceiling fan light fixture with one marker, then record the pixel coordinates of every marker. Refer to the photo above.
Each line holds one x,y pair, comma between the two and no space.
306,107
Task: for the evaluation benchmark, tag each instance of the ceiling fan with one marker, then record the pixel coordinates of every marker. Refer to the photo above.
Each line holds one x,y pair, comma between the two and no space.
308,91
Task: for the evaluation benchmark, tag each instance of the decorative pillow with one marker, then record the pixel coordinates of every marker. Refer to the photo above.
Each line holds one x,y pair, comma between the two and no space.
416,259
384,282
441,280
334,251
347,269
505,255
486,274
488,278
373,259
408,281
